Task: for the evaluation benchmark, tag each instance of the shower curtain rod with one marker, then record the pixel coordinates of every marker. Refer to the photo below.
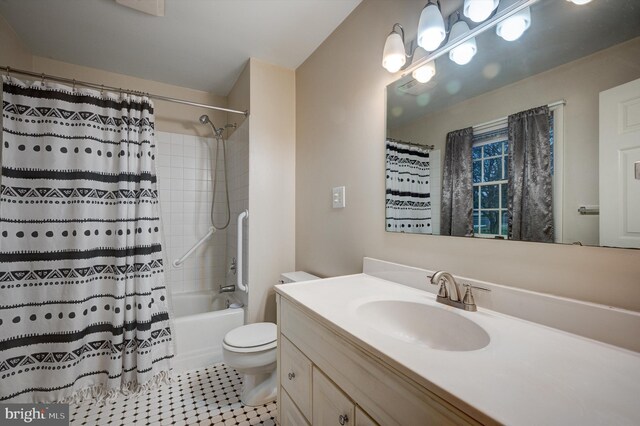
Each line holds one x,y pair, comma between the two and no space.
102,87
418,145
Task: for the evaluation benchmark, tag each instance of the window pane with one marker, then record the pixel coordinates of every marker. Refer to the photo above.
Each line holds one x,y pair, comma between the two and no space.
505,223
505,169
476,152
489,197
476,221
493,149
506,147
493,169
475,197
477,172
489,222
505,198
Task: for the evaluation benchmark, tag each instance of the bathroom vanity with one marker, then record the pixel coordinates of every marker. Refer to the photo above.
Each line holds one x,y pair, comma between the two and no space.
362,350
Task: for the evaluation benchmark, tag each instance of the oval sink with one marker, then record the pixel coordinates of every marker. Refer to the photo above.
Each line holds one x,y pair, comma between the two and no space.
425,325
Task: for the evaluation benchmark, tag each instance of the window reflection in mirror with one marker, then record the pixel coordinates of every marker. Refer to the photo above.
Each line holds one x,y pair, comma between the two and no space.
564,61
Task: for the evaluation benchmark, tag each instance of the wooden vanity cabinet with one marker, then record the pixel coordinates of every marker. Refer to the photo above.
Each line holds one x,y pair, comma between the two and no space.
327,380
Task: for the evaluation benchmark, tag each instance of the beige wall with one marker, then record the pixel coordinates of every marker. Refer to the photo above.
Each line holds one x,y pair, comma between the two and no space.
340,122
13,53
238,98
272,159
579,83
170,117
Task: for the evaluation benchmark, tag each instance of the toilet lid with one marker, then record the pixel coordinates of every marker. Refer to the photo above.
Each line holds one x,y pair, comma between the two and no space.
252,335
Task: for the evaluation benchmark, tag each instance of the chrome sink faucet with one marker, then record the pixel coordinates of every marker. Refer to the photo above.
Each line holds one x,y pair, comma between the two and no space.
449,292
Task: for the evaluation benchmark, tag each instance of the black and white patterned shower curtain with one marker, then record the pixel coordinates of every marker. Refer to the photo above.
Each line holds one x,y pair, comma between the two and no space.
83,304
408,195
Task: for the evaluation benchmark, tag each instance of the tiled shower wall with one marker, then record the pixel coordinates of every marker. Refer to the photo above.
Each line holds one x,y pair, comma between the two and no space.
238,175
184,164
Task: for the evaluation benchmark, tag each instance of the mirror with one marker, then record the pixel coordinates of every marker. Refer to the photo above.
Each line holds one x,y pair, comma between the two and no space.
536,139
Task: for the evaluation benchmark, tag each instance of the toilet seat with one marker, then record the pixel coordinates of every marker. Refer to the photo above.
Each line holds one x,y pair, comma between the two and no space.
256,337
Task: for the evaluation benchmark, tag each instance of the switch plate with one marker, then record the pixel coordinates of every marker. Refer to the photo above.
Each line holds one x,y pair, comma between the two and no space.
337,198
637,166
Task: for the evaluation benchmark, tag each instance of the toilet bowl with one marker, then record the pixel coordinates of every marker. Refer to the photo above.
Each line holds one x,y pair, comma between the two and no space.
251,350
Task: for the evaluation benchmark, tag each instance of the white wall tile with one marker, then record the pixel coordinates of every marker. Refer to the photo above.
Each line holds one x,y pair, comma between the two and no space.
185,193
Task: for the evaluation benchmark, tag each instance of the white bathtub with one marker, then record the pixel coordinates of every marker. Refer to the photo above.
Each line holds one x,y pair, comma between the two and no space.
201,319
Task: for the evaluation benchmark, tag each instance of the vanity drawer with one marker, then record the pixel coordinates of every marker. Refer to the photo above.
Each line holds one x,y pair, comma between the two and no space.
330,405
295,375
363,419
290,415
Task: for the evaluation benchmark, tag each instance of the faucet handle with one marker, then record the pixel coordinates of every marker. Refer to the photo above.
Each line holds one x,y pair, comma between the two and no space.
442,290
469,286
468,300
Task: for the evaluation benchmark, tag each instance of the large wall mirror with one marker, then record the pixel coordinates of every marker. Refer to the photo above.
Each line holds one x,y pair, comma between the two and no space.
533,139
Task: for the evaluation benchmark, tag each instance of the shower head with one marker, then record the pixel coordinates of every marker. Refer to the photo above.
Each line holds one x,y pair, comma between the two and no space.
204,119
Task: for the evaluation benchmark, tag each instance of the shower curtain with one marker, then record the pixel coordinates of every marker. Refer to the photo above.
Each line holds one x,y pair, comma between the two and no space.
408,194
83,303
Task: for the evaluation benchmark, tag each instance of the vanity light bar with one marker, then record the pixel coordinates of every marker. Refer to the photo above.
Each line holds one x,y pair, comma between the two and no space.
481,28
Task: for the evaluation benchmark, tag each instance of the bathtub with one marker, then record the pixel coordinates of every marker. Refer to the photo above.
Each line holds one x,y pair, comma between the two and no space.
201,319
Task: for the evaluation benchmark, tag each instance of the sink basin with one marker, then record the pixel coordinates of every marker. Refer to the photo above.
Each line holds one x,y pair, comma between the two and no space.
421,324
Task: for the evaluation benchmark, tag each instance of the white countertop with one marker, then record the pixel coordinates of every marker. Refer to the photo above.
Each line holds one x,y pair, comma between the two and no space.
527,375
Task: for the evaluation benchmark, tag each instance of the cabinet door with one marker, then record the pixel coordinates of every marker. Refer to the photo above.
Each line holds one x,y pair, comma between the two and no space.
295,375
331,406
362,419
290,415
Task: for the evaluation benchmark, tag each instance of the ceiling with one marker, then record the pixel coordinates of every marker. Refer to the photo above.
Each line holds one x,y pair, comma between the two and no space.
560,32
200,44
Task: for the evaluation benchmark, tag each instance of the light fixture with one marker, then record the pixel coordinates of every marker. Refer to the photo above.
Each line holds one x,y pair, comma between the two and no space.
431,31
479,10
515,25
580,2
394,56
425,72
462,54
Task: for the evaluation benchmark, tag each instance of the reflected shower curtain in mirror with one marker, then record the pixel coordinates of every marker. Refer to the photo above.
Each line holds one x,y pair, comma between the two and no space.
83,305
530,182
457,185
408,195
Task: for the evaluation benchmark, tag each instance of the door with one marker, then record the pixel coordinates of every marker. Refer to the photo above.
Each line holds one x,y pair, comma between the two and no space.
331,407
620,166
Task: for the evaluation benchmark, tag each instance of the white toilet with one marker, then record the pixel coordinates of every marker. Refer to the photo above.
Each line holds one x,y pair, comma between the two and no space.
251,350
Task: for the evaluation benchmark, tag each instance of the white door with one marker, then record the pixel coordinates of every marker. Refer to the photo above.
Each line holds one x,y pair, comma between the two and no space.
620,166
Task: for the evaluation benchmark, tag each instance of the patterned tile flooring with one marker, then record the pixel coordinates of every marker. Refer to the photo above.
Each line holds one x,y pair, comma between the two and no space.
207,396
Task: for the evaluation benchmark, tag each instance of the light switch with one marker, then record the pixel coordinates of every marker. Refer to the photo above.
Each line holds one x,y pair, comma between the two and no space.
637,170
338,197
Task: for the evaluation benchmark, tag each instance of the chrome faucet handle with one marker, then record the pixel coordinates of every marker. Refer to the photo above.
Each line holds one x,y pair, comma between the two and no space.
468,301
475,287
442,290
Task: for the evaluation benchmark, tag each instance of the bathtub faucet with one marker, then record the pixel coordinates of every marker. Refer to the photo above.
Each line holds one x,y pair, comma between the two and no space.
227,288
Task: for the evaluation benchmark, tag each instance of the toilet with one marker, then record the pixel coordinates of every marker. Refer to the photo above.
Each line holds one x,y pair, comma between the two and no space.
251,351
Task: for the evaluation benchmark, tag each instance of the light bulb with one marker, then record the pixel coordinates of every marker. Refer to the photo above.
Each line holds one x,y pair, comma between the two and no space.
393,56
431,32
580,2
515,25
425,72
479,10
462,54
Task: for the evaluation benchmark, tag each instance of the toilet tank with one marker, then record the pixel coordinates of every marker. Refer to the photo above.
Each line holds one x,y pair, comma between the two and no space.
297,276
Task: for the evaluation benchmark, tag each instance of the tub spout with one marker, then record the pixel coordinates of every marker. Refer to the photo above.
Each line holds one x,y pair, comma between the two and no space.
227,289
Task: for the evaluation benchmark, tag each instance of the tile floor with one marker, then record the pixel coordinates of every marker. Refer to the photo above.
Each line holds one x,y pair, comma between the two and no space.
207,396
